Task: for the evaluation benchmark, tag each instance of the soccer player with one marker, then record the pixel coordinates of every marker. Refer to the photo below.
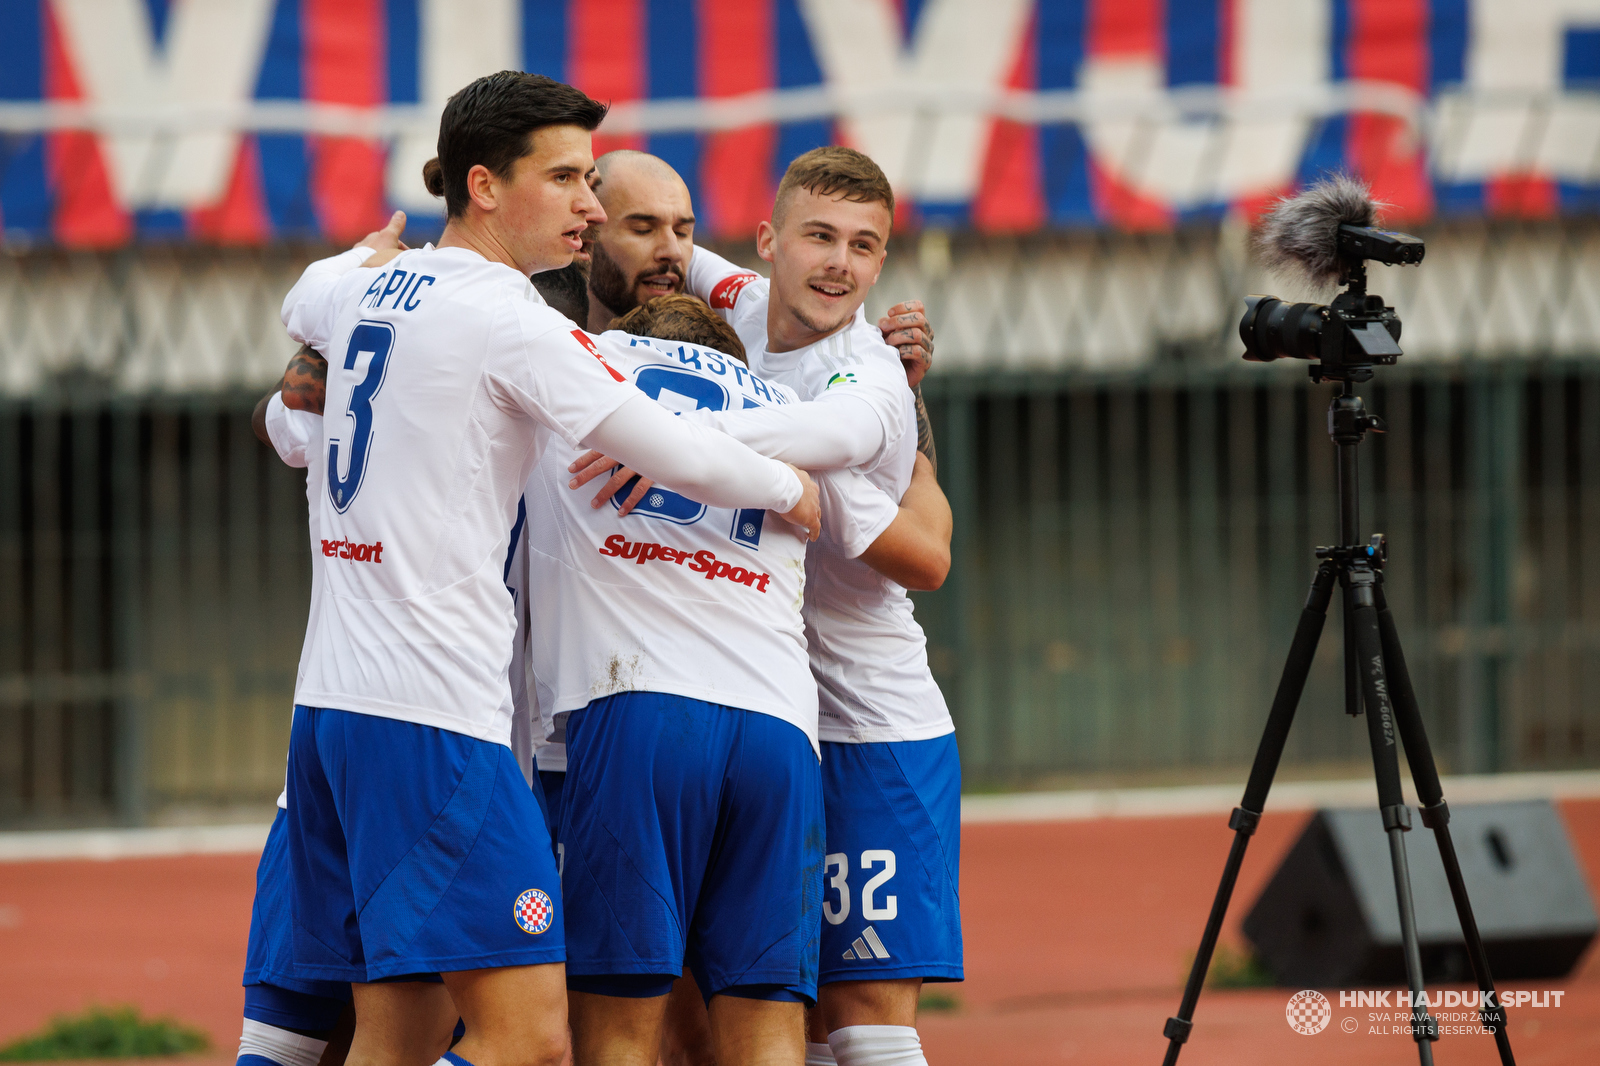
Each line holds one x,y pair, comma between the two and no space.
891,772
886,730
689,816
415,845
685,1037
641,250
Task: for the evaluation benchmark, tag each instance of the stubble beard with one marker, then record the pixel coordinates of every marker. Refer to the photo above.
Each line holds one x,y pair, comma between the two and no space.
814,326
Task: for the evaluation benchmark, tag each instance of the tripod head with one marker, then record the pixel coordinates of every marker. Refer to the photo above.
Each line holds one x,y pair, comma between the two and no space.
1348,418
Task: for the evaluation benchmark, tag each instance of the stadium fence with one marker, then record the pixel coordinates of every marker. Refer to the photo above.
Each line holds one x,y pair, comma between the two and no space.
1131,553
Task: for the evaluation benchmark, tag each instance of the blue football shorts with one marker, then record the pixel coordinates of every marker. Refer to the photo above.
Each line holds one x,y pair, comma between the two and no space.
413,851
692,835
272,994
890,903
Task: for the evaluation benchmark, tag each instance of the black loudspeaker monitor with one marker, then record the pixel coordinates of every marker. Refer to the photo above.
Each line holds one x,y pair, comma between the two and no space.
1328,918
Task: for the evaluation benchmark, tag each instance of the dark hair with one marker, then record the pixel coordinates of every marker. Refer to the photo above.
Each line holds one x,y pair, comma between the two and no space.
835,171
676,317
489,123
566,290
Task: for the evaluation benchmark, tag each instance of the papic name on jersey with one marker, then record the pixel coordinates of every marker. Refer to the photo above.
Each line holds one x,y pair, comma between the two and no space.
701,562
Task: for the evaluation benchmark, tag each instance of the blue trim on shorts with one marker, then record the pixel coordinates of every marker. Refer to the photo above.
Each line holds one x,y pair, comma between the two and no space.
622,985
287,1009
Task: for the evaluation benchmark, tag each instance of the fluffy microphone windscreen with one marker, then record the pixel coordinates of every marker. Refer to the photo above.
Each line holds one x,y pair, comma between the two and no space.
1300,236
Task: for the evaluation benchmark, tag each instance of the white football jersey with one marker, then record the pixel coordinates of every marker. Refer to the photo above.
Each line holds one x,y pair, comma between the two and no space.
295,436
447,375
868,654
675,597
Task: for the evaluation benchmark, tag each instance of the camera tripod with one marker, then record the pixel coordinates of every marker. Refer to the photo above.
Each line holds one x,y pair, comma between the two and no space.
1376,676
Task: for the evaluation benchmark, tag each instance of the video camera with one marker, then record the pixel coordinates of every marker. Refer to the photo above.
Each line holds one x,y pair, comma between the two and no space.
1348,337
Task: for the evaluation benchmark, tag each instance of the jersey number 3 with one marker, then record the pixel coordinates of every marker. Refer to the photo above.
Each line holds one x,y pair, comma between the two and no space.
372,341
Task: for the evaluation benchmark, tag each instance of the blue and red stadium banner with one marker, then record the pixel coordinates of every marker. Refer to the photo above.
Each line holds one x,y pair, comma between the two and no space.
252,121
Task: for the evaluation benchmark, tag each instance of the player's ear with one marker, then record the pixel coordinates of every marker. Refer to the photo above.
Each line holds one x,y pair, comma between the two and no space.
766,237
481,188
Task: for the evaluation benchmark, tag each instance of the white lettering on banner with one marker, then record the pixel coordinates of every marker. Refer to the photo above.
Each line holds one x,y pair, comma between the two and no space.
212,57
957,44
169,115
1280,50
460,40
1511,116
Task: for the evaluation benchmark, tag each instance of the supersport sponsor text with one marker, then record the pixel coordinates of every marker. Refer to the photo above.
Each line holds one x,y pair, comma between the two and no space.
701,562
356,553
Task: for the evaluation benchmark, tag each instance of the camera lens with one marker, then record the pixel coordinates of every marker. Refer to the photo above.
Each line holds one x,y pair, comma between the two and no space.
1272,329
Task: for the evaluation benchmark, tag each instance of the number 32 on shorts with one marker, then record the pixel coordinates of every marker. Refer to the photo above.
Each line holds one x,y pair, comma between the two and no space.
839,882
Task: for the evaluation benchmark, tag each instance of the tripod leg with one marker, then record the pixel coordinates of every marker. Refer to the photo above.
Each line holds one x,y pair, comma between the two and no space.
1247,815
1436,815
1391,802
1352,667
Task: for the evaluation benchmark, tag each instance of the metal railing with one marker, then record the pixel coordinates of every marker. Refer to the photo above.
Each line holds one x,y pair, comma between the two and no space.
154,580
1132,554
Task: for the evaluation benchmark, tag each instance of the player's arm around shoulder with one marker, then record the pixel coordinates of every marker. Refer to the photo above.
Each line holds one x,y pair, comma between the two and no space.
718,281
915,548
311,305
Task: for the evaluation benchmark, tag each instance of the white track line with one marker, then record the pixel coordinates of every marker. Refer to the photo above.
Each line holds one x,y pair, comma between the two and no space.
1073,806
132,843
1080,805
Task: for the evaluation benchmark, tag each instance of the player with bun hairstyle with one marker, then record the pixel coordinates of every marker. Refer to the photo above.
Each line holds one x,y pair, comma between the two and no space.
415,845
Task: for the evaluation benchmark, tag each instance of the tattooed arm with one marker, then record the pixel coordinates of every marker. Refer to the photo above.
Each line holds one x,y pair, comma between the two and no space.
905,326
303,385
925,433
305,382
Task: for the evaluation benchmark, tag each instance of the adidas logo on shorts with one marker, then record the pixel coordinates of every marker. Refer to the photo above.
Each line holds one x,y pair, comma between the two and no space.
867,946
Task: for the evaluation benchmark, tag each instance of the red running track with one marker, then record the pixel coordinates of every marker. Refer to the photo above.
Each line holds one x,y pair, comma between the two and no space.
1077,938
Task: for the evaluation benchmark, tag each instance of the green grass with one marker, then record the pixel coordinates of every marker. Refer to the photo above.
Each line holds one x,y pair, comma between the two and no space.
1231,968
938,1002
105,1033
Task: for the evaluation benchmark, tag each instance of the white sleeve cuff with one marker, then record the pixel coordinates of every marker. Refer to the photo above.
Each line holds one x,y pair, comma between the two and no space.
291,432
